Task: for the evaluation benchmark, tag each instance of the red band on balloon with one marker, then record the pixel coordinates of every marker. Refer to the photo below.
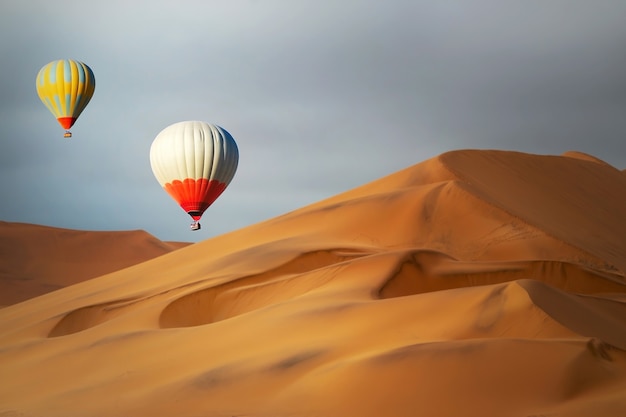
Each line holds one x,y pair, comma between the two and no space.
67,122
195,196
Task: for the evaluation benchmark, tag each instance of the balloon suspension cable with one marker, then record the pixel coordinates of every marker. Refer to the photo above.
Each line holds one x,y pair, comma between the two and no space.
67,134
195,225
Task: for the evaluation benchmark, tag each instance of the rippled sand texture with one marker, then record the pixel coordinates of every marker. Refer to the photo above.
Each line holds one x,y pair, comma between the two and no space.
476,283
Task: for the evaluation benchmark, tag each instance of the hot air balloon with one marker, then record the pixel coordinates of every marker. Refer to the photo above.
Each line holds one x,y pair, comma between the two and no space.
194,162
65,86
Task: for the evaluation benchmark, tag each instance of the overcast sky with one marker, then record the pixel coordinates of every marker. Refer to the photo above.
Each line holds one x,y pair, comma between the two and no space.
320,95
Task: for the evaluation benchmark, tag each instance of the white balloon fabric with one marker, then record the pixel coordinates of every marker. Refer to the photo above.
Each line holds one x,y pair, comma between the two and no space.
194,162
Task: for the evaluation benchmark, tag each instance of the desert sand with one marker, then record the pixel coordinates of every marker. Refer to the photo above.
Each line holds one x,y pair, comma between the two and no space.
476,283
38,259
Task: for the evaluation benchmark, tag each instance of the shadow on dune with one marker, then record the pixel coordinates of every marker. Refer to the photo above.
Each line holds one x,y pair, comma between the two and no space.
253,292
426,270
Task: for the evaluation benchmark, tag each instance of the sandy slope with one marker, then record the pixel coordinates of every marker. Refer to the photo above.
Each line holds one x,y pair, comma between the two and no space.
477,283
39,259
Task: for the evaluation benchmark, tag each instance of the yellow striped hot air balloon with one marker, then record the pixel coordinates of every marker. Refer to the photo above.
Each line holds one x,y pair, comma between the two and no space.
65,86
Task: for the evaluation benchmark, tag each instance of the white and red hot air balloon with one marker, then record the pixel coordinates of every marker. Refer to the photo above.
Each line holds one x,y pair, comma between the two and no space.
194,162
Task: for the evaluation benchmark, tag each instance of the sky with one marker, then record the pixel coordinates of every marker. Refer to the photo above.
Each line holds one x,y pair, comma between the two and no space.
321,96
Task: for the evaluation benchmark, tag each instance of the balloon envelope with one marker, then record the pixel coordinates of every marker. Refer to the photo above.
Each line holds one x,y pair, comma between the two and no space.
65,86
194,162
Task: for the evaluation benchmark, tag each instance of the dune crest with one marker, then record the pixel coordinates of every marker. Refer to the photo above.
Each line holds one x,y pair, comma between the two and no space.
493,277
584,156
39,259
574,201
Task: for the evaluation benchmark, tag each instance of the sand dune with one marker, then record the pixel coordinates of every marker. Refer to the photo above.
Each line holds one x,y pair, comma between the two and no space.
39,259
477,283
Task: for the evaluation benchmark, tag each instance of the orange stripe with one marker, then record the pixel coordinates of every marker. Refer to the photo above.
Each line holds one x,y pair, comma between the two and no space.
66,122
195,196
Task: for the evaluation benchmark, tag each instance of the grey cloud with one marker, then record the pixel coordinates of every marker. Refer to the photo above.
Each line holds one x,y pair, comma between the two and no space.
322,96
